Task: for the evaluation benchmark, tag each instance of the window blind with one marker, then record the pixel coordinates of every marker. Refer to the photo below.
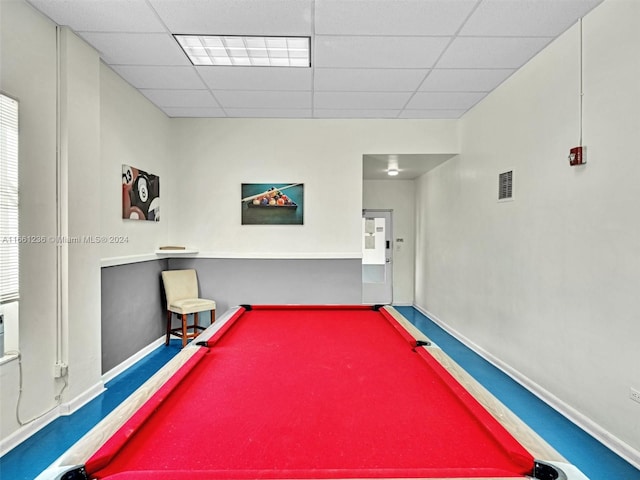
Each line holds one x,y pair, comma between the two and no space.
9,233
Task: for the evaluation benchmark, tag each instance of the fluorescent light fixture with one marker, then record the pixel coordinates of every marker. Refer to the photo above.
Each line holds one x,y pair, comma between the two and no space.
392,172
233,50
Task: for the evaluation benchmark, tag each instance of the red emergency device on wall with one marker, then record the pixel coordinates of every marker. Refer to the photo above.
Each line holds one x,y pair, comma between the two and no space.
577,156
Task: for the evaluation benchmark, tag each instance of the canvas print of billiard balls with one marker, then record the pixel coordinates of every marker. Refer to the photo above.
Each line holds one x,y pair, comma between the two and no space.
140,194
272,204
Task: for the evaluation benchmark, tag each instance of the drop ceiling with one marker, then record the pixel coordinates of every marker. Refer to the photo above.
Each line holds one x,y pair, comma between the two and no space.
420,59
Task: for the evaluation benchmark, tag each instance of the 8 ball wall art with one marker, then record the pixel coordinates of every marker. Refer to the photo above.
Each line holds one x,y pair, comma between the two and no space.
140,194
272,203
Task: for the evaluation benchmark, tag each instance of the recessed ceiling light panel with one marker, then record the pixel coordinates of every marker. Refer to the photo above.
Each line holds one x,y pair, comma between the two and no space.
235,50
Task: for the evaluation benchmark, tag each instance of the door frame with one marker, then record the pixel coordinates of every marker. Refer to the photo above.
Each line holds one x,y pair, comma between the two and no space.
388,251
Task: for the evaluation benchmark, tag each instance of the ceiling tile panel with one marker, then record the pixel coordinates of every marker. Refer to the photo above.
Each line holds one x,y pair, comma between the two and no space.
137,48
526,18
368,79
378,52
363,100
181,98
253,78
397,17
236,17
258,99
465,80
185,78
102,15
355,113
489,52
197,112
370,58
269,113
444,100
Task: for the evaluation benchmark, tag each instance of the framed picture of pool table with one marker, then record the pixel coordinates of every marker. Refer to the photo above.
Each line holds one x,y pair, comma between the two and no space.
272,203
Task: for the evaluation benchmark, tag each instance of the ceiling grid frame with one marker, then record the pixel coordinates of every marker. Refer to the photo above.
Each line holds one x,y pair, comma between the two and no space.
400,59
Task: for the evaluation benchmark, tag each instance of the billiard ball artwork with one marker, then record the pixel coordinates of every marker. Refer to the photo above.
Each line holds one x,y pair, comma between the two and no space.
140,194
272,198
272,204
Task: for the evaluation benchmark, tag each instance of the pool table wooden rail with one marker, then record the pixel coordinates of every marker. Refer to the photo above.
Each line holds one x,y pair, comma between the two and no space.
537,446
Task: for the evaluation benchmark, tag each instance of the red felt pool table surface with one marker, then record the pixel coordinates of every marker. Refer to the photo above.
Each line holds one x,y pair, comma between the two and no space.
311,392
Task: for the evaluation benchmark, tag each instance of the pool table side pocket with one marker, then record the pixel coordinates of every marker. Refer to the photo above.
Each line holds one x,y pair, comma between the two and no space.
527,437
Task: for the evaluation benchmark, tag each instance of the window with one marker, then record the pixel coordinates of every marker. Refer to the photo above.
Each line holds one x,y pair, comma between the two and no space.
9,234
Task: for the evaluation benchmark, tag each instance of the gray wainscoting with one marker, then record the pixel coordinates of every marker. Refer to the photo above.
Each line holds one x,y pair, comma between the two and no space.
132,310
232,281
132,302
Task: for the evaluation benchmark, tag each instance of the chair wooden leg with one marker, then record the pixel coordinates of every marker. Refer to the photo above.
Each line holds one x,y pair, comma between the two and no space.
166,342
184,329
188,331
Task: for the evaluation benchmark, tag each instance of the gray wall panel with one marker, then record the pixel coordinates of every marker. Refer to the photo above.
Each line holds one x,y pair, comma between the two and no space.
231,282
132,310
133,313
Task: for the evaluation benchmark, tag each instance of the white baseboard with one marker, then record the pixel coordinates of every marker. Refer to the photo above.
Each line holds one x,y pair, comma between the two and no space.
81,400
26,431
118,369
20,435
618,446
68,408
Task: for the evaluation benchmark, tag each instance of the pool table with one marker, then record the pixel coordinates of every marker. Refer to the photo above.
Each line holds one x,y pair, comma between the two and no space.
311,392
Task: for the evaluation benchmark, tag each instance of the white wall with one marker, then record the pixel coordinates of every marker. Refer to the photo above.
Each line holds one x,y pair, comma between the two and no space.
399,196
103,123
548,283
27,72
326,155
59,321
79,102
133,132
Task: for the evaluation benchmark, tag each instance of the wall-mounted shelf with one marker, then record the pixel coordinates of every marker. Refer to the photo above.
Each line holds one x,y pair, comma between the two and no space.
175,251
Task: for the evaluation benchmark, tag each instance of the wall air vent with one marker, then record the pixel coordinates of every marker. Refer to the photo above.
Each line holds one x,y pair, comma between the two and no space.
505,185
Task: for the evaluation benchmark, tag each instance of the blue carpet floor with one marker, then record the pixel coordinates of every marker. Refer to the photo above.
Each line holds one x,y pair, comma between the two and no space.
597,462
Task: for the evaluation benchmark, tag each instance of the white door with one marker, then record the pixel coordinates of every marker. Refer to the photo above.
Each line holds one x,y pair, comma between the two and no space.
377,262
